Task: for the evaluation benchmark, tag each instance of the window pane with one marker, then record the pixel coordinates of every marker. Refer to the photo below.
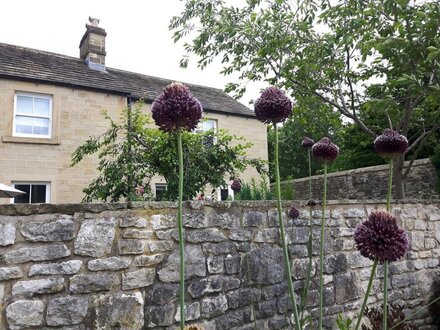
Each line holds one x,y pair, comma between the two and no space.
40,126
224,193
38,193
24,104
23,125
208,125
160,191
25,197
41,106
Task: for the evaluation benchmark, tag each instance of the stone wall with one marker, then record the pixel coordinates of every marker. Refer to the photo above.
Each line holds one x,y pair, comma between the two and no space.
97,266
370,183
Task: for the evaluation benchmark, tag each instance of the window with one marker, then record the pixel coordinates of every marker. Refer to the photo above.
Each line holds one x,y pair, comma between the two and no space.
32,115
36,192
205,126
161,188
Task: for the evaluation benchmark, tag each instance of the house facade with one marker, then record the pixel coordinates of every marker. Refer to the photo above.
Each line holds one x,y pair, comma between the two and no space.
51,103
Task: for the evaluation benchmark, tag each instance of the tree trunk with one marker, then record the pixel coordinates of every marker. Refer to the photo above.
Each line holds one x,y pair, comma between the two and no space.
399,187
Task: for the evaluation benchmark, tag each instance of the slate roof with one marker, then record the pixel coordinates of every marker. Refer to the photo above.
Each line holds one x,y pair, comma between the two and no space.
20,63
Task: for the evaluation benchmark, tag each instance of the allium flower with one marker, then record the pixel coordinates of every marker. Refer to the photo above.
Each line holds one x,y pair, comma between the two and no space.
380,238
390,143
236,185
325,150
273,106
176,108
293,213
307,143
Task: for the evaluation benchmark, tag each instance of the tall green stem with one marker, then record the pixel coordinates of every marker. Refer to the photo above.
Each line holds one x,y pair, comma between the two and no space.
283,236
180,225
309,243
385,264
367,293
321,252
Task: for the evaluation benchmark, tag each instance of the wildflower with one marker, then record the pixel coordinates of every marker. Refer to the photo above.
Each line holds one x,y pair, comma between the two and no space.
325,150
390,143
236,185
293,212
139,191
380,238
307,143
176,108
273,106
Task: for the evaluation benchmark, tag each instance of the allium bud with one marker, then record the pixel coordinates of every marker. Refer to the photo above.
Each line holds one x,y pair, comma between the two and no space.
390,143
293,213
236,185
176,108
325,150
380,238
273,106
307,143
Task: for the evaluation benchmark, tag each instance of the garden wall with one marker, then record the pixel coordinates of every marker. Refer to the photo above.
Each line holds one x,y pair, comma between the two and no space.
98,266
370,183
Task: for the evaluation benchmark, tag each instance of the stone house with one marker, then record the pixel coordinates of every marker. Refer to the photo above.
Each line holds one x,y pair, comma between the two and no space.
51,103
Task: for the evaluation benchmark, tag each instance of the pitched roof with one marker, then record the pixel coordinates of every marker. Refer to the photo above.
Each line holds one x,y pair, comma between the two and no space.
29,64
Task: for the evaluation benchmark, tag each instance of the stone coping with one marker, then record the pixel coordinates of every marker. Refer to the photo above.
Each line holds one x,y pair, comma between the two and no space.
29,209
369,169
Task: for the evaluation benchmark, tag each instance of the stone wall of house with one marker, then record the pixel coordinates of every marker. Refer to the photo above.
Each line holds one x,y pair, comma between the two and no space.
370,183
103,266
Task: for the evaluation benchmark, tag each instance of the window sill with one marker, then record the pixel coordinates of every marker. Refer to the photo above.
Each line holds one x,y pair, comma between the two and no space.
30,140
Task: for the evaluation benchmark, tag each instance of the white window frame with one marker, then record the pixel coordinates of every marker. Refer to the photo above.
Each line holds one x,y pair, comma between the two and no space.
204,120
160,185
47,184
33,95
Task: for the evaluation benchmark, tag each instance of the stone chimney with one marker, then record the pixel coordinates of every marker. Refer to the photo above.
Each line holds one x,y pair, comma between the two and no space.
92,45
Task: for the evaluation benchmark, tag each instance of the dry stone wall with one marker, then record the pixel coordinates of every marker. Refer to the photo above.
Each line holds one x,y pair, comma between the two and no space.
97,266
370,183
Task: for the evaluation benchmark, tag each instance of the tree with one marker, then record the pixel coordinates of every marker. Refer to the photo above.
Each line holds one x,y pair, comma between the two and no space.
382,56
314,121
131,153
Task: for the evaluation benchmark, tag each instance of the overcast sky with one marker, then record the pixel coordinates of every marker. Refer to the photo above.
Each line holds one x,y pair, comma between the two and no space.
137,40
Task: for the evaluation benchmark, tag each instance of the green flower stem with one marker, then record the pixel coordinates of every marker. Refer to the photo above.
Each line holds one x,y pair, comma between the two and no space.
180,225
385,264
321,252
309,244
283,236
367,293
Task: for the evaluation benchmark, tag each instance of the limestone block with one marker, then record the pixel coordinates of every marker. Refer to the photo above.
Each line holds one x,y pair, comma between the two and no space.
7,233
25,313
86,283
62,229
64,268
111,263
8,273
95,237
120,311
33,287
194,264
214,306
151,260
138,278
38,253
66,310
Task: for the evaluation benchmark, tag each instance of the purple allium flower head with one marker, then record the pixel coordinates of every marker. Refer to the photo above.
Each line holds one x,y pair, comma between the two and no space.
293,212
176,108
390,143
307,143
325,150
236,185
380,238
273,106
